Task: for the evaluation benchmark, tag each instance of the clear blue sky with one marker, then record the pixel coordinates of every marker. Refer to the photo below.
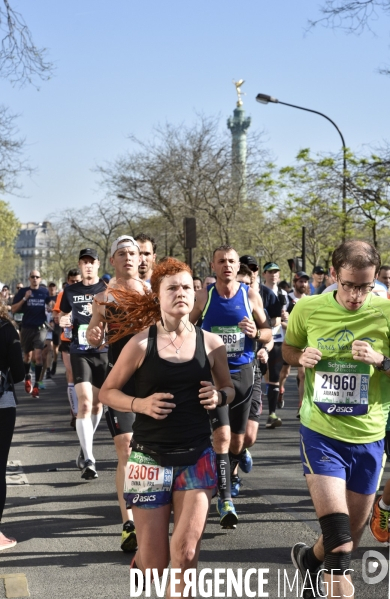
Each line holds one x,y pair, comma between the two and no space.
124,66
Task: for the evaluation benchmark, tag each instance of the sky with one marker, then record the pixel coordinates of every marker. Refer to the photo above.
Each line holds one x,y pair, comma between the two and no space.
124,66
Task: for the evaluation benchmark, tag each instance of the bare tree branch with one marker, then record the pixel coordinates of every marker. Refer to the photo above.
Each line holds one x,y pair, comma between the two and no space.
20,60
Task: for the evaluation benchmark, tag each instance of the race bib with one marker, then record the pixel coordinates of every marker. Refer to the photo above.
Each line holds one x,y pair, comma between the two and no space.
233,338
82,336
144,475
341,388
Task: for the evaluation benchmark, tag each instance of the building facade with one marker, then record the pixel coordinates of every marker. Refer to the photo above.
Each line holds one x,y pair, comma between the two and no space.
35,246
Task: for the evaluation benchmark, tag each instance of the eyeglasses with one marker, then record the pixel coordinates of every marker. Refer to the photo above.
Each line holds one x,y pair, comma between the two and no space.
35,276
360,289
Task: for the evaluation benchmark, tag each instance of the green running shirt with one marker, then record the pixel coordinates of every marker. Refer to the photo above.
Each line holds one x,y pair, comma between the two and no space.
319,321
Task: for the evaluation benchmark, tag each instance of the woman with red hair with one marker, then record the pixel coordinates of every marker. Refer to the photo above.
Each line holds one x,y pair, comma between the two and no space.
180,373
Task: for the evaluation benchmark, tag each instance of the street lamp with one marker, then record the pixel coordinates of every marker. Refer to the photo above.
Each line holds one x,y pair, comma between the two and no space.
264,99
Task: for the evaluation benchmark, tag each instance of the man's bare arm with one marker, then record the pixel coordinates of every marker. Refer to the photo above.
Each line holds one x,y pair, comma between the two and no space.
95,330
307,357
200,302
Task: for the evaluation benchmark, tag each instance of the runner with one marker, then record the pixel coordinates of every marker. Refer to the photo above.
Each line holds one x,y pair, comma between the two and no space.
271,274
125,258
384,277
317,285
148,248
197,283
173,363
300,289
89,364
55,332
73,277
31,301
235,312
11,371
342,339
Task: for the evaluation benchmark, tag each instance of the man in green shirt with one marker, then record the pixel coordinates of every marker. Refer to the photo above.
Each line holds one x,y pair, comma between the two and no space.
342,339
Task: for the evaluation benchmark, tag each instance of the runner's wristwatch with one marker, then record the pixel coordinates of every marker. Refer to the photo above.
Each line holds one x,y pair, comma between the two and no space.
384,365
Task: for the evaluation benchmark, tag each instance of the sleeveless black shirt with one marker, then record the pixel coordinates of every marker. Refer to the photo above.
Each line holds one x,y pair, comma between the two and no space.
188,425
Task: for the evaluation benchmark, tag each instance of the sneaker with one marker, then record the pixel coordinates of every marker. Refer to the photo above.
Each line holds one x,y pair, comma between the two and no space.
273,421
53,369
280,402
35,392
48,374
245,461
6,543
80,461
228,515
309,579
89,471
129,537
235,485
27,383
41,385
379,523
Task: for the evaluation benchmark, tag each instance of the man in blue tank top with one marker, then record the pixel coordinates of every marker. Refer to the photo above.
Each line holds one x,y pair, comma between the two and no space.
235,312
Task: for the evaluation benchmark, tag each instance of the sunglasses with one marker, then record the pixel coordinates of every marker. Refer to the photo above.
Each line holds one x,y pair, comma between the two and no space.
35,276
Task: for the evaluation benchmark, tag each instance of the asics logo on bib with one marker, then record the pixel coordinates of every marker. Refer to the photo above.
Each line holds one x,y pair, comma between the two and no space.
339,409
141,499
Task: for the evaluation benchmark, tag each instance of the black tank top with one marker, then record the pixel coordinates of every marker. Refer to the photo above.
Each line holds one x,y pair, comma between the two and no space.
187,427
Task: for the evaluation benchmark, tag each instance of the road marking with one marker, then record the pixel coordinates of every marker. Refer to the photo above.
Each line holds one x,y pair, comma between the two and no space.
14,474
15,585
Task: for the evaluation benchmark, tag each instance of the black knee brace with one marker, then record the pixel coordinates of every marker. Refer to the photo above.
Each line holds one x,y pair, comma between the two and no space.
336,531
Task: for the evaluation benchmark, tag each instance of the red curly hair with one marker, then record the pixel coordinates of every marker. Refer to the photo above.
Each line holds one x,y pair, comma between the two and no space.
132,312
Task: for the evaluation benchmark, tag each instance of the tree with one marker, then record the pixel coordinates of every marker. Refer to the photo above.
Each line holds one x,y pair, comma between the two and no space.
187,171
12,164
353,16
20,60
9,230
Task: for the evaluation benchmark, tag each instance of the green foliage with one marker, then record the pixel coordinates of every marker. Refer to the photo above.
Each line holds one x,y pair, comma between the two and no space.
9,229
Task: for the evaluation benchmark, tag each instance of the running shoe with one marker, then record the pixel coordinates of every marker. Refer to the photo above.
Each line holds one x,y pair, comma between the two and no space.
6,543
379,523
89,471
48,374
245,461
280,402
80,461
35,392
129,537
27,383
41,385
273,421
53,369
236,483
298,553
228,515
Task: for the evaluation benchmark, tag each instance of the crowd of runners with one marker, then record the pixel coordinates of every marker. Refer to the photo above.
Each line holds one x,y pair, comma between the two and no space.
178,366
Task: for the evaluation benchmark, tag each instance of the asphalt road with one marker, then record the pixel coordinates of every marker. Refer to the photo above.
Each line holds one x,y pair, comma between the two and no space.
69,530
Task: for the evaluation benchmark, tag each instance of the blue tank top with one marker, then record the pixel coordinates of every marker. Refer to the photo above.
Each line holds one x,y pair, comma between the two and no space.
221,316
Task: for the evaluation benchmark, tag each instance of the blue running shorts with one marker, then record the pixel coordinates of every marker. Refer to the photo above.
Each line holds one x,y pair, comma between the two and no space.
359,464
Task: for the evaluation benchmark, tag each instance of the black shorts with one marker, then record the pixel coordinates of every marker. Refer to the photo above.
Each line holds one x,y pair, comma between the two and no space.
236,414
119,423
275,363
89,368
56,338
64,346
256,403
31,339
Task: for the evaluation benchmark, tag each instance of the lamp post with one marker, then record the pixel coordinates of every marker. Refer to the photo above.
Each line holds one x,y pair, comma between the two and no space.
264,99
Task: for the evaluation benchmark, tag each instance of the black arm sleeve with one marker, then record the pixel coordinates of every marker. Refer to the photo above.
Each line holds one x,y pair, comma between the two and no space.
11,352
65,306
